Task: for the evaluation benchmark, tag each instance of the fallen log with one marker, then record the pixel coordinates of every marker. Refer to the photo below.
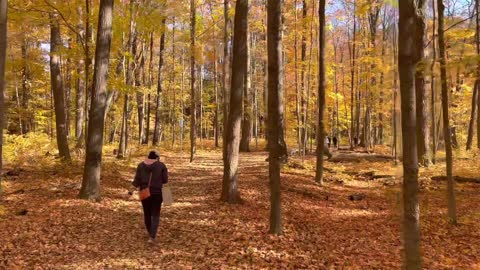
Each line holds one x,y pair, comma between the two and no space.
457,178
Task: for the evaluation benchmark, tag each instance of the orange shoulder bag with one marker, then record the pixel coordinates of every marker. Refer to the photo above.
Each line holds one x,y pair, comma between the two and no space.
145,193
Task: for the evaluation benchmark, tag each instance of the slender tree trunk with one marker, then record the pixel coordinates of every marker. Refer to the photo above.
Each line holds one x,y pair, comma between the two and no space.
150,84
216,123
25,85
321,93
57,88
407,60
226,58
297,89
193,103
303,94
354,135
477,41
158,102
473,115
88,62
247,103
140,95
68,93
91,175
420,89
230,191
123,143
446,120
79,103
3,58
276,143
432,71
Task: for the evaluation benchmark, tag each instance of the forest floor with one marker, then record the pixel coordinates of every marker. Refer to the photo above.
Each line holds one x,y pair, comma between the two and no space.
44,226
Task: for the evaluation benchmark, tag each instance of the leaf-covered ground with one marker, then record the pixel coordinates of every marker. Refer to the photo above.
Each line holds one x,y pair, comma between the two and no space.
44,226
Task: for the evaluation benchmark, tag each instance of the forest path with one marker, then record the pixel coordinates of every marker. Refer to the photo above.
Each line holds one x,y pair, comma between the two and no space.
323,228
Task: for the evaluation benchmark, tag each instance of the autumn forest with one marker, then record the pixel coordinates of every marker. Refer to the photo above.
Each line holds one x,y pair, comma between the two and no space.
298,134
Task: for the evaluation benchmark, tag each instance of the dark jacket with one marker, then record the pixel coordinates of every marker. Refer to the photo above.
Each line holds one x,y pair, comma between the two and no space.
159,173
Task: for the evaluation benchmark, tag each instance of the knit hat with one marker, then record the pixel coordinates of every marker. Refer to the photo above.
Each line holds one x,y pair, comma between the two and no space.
154,154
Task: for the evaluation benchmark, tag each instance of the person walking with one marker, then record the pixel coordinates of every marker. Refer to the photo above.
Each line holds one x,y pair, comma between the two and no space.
335,142
151,174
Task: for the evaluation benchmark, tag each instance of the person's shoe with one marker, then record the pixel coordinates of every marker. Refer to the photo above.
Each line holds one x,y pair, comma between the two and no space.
151,241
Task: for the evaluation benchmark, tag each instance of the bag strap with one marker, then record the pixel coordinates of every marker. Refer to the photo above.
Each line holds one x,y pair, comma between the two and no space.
150,180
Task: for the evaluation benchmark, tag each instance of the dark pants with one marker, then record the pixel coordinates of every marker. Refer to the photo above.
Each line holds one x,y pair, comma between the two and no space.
151,213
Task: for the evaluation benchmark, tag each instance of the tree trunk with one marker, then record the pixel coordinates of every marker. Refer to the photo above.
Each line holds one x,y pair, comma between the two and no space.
477,41
446,120
321,94
139,73
158,102
407,60
123,144
247,103
225,66
57,88
3,58
276,144
91,175
230,191
217,103
432,85
473,115
353,136
420,90
25,123
193,103
79,105
303,90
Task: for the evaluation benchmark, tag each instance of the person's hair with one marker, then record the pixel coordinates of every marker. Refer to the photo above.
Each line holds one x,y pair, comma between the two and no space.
153,155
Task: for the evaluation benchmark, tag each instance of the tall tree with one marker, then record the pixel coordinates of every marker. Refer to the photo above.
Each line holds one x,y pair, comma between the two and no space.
93,159
446,118
230,191
193,100
277,149
130,63
247,123
57,87
226,58
475,99
158,102
420,87
432,84
3,58
408,58
321,94
353,135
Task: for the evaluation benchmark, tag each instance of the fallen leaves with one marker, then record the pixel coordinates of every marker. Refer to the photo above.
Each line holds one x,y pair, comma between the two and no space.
323,228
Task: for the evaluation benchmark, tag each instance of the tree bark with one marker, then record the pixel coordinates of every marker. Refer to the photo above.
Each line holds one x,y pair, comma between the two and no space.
473,115
247,103
158,101
407,60
353,136
420,88
193,101
3,58
91,175
446,120
432,85
57,88
230,191
226,58
140,96
276,144
321,94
